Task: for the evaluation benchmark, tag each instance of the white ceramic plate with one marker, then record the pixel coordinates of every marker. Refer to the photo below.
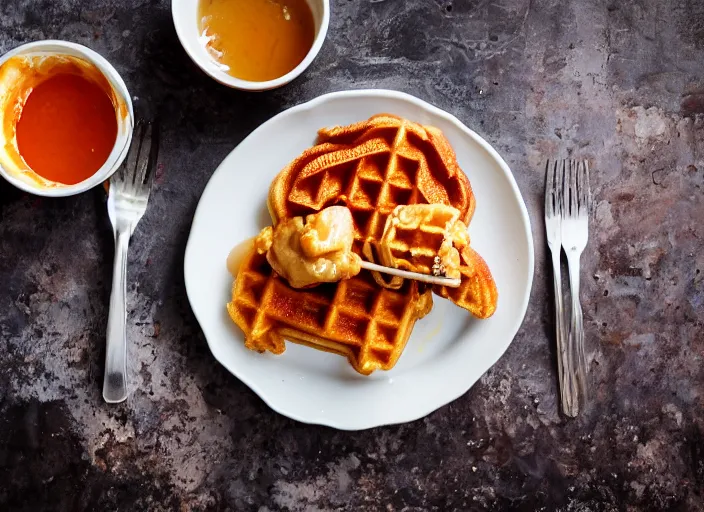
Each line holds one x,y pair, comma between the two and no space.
448,350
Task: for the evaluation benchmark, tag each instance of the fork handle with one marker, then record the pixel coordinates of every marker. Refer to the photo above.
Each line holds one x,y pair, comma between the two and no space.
576,334
567,386
115,379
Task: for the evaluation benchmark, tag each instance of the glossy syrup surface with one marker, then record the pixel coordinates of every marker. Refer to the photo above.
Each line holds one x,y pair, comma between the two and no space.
257,40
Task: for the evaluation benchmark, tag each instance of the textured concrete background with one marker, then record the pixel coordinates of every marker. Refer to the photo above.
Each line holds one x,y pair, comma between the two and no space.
619,82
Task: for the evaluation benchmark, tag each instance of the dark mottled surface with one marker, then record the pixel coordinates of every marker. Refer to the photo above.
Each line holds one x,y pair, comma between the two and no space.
621,83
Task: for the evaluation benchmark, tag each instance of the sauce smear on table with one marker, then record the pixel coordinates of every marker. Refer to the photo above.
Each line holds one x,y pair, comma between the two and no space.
67,128
257,40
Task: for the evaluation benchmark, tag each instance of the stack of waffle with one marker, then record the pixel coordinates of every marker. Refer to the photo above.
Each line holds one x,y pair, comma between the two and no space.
370,167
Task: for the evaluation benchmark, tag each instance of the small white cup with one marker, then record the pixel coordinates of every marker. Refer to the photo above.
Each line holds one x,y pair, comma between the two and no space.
185,14
125,120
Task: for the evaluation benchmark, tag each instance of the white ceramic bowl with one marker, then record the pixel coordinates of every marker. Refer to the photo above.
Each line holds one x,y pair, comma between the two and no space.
124,128
185,14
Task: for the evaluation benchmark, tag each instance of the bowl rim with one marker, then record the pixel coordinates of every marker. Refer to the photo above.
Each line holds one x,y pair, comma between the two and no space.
122,141
248,85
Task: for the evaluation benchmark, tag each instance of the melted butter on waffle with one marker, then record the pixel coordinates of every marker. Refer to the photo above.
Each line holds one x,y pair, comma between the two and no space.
316,251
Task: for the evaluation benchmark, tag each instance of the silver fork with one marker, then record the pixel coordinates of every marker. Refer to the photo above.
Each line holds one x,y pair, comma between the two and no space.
553,226
127,202
575,234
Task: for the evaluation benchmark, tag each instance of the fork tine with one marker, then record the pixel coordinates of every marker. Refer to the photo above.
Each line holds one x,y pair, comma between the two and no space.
570,188
566,188
579,186
153,151
130,164
574,177
584,190
143,160
550,187
151,157
559,184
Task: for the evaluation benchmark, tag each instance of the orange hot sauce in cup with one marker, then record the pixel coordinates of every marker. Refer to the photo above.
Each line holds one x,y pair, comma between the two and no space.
60,119
67,128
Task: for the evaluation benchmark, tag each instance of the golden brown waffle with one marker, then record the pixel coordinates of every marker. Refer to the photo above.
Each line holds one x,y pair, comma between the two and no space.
372,167
415,235
477,293
413,241
354,318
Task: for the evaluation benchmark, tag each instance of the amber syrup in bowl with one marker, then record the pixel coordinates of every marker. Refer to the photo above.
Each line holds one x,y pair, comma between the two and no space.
256,40
252,45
